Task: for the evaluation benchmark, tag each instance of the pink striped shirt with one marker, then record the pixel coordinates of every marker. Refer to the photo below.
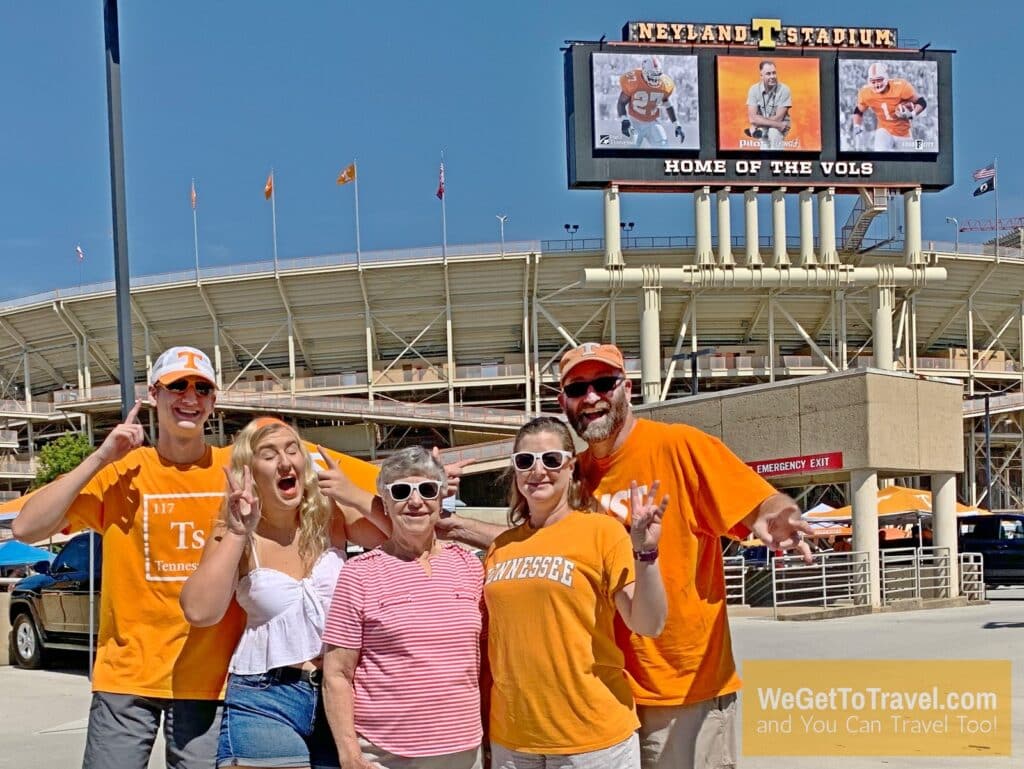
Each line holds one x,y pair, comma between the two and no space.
417,688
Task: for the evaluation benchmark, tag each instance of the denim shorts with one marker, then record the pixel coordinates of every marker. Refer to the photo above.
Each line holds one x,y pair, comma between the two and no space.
275,719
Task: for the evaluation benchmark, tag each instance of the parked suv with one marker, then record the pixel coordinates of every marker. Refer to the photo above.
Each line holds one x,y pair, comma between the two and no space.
50,610
1000,539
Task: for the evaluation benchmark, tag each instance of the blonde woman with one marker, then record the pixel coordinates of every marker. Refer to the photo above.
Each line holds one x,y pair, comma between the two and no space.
278,550
553,586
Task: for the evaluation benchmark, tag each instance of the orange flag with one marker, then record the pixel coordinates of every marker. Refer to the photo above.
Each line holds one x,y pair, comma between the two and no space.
192,195
268,189
348,174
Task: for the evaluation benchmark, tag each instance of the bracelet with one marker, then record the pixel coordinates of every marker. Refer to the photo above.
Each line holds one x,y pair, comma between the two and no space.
645,556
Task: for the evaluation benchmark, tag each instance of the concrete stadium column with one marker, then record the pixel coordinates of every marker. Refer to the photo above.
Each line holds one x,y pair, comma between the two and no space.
751,229
864,489
612,233
702,226
217,364
944,525
912,226
780,257
882,300
827,226
807,228
650,336
725,257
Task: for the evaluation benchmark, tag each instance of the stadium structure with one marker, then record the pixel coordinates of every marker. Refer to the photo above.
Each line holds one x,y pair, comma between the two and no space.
370,352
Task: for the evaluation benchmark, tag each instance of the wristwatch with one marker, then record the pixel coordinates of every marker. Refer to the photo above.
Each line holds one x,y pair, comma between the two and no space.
646,556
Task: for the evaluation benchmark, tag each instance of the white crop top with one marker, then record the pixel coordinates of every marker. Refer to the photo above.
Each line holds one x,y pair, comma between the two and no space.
285,616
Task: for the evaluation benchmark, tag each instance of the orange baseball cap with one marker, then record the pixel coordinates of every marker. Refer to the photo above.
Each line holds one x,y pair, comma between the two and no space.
180,362
606,353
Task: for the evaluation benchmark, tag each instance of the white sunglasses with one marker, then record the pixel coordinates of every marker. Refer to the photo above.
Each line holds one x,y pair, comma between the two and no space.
552,460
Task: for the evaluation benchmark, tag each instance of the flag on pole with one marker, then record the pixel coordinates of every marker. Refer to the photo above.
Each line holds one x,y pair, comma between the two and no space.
988,172
268,188
440,182
988,185
81,253
348,174
192,195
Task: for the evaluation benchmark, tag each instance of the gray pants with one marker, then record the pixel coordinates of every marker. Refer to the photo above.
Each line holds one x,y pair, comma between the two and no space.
123,727
697,736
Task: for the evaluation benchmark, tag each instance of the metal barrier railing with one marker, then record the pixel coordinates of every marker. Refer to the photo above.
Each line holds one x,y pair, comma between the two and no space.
908,573
972,576
832,579
735,568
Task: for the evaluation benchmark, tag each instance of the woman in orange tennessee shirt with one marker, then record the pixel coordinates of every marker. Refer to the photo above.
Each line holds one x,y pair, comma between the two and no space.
553,585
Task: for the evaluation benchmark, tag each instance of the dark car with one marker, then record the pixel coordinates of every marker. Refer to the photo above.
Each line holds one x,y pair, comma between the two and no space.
50,610
1000,539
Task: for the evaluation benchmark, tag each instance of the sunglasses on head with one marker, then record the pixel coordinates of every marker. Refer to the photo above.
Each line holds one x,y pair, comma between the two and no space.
402,490
552,460
601,385
180,386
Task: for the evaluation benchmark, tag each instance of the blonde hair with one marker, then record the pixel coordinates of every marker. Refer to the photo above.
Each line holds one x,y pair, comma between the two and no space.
579,497
314,509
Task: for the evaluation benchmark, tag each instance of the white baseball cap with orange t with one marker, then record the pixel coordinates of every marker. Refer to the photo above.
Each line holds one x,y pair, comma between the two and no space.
179,362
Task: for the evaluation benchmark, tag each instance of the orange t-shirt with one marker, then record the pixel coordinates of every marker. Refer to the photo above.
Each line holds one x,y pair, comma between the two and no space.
710,491
559,685
884,105
154,517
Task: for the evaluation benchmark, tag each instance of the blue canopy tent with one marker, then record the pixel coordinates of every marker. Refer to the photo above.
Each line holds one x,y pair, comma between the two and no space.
14,553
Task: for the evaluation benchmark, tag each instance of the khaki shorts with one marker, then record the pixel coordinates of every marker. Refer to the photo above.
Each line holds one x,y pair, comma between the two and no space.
697,736
466,759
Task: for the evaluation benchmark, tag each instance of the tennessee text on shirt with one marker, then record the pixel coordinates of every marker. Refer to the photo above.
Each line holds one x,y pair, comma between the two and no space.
553,567
617,504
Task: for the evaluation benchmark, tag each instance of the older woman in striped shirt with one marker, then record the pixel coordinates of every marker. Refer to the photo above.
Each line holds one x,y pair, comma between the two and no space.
401,672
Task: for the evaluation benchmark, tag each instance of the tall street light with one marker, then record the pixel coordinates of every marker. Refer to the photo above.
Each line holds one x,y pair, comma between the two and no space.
956,232
502,218
571,230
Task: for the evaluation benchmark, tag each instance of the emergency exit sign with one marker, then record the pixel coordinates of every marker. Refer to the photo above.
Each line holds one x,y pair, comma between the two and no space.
811,463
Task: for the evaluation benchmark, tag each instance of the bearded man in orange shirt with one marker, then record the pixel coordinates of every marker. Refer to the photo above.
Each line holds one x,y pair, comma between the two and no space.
684,681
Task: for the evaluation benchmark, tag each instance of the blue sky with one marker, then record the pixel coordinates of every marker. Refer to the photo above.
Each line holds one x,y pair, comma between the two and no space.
223,91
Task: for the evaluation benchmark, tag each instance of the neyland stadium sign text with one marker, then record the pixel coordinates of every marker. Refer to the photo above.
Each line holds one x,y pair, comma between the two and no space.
765,34
839,169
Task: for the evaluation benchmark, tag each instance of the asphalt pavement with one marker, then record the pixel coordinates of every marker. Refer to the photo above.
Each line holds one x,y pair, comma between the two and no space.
43,712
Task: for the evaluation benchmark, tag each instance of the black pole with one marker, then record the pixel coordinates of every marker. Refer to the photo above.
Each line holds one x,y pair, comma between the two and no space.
122,288
988,455
693,374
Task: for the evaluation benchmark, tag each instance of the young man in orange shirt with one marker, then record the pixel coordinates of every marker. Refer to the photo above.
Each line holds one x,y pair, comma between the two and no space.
155,507
684,681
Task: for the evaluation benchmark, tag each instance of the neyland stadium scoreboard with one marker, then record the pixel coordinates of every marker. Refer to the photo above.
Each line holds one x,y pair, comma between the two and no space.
678,105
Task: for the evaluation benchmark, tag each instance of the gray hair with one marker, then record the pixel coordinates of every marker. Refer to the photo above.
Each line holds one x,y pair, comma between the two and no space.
408,462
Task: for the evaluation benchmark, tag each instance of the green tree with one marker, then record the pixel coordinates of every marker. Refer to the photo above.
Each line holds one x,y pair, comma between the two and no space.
60,456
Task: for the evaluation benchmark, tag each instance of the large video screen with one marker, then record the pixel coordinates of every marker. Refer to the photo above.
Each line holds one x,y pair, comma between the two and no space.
771,104
645,101
889,105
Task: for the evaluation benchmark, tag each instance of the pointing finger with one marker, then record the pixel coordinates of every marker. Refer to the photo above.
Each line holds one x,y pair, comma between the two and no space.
327,458
133,415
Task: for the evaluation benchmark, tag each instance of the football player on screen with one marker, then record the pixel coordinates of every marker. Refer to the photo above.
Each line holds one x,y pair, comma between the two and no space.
643,100
895,103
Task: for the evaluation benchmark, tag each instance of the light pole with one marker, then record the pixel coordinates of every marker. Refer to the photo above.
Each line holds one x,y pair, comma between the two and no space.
627,227
502,218
956,232
571,230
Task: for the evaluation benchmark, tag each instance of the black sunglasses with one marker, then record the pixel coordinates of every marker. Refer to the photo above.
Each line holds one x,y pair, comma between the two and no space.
402,490
601,385
180,386
552,460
